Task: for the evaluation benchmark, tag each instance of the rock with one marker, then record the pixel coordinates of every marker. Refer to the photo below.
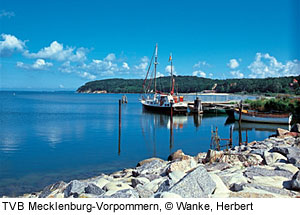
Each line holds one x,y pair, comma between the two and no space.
178,155
200,157
258,152
139,180
51,188
253,159
169,195
271,181
250,195
165,186
260,171
274,157
154,185
141,163
296,128
75,188
236,187
294,156
221,190
213,156
196,184
287,167
128,193
182,165
175,176
93,189
217,166
152,167
295,184
101,182
274,190
281,132
230,178
143,192
116,186
151,177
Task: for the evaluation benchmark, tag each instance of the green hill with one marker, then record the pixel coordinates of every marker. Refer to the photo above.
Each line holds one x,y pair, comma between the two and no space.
188,84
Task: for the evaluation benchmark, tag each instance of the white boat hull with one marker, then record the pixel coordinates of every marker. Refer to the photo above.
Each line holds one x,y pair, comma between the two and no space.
259,119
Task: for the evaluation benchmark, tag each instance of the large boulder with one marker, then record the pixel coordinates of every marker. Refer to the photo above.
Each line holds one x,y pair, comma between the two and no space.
178,155
196,184
296,181
75,188
127,193
141,163
152,167
182,165
93,189
296,128
47,191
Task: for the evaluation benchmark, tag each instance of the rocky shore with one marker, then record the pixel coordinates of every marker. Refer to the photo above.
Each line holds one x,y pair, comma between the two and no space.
262,169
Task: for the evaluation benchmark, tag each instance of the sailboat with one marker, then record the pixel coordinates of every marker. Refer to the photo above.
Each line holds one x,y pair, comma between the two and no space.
159,101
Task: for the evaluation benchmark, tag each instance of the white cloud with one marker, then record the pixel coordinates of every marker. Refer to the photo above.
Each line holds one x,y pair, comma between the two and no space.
56,51
210,75
110,57
8,14
9,44
233,64
201,64
199,73
267,66
39,64
87,75
168,70
61,86
237,74
143,65
158,74
125,66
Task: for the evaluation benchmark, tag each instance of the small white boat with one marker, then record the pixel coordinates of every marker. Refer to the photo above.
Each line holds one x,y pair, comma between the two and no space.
253,116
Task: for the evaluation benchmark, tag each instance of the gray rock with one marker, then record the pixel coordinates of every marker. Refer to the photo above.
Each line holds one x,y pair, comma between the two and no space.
176,175
152,167
282,150
236,187
258,171
294,156
165,186
75,188
128,193
139,180
49,189
217,166
295,184
296,128
143,192
258,152
269,189
196,184
151,177
94,189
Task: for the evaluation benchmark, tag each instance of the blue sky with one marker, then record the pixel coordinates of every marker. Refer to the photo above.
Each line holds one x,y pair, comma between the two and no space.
63,44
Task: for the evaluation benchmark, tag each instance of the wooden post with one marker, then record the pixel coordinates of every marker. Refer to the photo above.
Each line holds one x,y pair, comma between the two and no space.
171,128
230,136
246,137
240,121
120,123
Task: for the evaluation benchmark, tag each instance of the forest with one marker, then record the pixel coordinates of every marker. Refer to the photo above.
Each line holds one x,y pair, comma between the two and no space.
191,84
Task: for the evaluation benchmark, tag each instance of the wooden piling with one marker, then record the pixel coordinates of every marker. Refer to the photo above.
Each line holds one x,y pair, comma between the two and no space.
240,121
171,128
120,125
230,136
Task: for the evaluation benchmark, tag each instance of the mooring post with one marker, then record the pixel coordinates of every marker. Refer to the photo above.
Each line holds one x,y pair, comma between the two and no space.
246,137
230,136
240,121
120,123
171,127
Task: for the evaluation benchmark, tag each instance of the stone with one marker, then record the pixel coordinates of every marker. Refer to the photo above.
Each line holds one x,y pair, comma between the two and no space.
200,157
143,192
258,152
274,157
141,163
217,166
169,195
165,186
269,189
175,176
94,189
139,180
296,128
101,182
196,184
178,155
221,190
260,171
151,177
236,187
127,193
181,165
152,167
51,188
154,185
250,195
230,178
287,167
74,188
295,184
116,186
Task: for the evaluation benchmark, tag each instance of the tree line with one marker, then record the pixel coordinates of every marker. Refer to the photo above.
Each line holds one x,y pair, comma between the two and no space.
190,84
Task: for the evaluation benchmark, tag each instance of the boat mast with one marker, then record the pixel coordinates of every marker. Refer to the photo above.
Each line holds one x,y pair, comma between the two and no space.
172,79
155,63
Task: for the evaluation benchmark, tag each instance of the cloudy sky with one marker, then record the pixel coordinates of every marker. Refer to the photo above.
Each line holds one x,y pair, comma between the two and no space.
63,44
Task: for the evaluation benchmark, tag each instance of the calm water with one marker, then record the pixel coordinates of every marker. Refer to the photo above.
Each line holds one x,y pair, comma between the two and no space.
46,137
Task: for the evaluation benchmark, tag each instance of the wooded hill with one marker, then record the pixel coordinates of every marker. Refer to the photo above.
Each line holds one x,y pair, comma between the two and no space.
189,84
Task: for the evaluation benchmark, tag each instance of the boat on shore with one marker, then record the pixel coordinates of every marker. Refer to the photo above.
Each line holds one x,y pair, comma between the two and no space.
254,116
159,101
